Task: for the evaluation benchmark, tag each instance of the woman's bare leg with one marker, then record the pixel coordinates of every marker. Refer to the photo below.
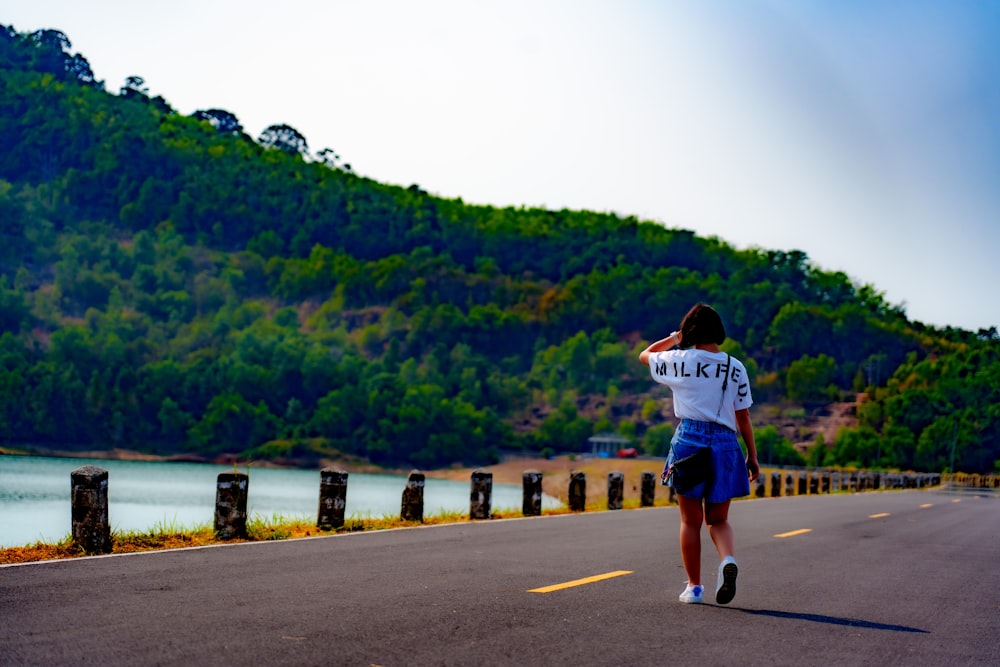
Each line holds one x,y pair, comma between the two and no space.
692,516
717,518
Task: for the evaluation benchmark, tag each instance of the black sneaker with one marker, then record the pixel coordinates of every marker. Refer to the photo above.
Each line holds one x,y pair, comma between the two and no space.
725,590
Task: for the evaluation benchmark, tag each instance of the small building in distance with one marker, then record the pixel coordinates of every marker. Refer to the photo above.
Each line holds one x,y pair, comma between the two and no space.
608,444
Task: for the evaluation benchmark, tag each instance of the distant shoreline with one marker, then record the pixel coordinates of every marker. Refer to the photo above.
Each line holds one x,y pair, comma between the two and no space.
121,454
555,471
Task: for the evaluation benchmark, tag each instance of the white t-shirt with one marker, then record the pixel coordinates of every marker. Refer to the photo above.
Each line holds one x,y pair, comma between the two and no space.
696,378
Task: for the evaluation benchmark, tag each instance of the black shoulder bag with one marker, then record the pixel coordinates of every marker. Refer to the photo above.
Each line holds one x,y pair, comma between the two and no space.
686,473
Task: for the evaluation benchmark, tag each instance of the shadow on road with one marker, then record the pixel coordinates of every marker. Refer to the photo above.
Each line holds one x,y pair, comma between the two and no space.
832,620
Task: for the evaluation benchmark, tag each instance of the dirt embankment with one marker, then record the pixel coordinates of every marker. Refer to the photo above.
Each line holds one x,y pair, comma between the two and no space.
804,426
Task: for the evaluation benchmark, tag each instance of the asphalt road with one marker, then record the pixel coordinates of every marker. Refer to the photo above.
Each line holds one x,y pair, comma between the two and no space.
895,578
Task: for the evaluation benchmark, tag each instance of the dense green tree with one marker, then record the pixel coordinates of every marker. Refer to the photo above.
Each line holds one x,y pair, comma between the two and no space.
231,423
857,448
656,441
564,430
224,122
775,449
811,379
284,138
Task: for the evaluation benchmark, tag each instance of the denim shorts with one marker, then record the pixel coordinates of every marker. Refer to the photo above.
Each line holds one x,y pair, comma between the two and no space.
730,479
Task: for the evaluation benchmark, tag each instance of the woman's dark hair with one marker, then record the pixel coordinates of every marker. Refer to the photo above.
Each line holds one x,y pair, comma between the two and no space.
701,326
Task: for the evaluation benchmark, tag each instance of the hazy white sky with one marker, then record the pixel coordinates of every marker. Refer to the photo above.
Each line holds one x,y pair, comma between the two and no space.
864,133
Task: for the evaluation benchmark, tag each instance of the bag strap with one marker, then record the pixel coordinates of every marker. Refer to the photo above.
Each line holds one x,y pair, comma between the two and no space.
725,385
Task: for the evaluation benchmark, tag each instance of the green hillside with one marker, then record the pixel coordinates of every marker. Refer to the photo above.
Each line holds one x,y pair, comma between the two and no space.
172,285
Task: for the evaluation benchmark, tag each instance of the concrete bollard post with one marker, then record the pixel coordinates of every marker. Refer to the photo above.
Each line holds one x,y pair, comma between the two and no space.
759,491
532,493
413,498
813,482
853,483
89,509
577,491
775,484
647,495
231,505
332,498
803,480
825,482
616,490
481,496
789,484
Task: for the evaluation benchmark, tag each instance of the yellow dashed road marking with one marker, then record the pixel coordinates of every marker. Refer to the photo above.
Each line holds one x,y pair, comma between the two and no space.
926,505
800,531
878,516
580,582
957,500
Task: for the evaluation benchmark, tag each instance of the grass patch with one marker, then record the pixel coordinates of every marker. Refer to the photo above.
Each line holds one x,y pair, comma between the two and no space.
170,535
40,551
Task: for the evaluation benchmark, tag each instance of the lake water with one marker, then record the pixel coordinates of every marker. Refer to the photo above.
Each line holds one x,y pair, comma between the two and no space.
35,495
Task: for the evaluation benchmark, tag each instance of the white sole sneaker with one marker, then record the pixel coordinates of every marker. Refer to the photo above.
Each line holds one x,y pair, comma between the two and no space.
725,591
692,594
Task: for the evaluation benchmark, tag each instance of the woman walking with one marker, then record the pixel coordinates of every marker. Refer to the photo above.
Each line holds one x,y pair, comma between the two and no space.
712,399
